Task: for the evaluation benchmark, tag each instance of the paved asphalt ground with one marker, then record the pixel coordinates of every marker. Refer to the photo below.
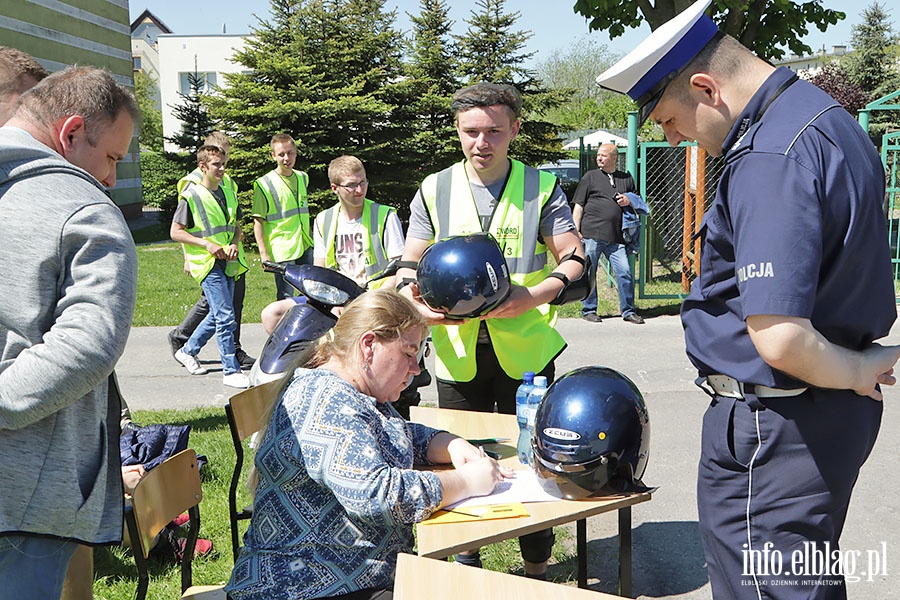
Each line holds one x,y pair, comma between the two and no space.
668,559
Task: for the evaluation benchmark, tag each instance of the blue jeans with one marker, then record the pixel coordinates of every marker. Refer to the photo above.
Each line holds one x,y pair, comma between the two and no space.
33,567
282,288
618,259
219,290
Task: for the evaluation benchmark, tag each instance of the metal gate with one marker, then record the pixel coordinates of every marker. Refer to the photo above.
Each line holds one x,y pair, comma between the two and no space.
890,155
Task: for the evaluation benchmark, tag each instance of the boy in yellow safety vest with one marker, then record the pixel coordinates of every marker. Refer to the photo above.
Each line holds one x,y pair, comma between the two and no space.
281,214
207,224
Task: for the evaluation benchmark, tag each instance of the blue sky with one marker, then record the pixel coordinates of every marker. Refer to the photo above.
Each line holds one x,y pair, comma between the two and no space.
552,22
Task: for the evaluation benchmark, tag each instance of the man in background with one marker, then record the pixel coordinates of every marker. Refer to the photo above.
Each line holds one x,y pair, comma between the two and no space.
599,204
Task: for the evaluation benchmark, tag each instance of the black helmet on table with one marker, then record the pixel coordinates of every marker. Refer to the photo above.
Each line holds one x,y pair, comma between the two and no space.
463,276
591,432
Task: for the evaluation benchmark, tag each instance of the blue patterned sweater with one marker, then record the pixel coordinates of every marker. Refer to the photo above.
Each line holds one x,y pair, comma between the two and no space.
337,495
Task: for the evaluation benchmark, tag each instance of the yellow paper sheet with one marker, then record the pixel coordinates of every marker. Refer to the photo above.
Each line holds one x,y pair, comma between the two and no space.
477,513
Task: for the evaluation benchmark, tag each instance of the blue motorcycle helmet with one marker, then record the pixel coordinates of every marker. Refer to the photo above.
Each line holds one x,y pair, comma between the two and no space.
463,276
591,433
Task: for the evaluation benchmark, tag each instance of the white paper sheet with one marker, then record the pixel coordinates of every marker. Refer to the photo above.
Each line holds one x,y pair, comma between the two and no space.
524,487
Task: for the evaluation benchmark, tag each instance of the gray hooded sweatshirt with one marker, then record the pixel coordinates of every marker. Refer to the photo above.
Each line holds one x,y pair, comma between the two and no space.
68,278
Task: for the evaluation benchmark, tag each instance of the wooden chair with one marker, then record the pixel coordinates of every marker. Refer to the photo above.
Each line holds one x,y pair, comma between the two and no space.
170,489
245,412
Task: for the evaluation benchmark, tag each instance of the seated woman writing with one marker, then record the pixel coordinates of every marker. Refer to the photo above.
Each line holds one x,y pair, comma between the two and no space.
337,494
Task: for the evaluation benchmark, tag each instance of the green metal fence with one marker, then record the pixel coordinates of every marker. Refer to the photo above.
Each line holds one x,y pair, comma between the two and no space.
890,156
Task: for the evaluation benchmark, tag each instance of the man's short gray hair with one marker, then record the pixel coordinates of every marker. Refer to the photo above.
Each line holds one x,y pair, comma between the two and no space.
89,92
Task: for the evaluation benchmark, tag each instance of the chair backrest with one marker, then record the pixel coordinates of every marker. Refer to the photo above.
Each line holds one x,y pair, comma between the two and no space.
245,411
170,489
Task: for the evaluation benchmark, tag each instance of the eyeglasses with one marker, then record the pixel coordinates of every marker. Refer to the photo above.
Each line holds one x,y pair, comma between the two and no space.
352,187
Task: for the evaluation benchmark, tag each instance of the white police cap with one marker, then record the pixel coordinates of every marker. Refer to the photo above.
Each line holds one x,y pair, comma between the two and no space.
646,71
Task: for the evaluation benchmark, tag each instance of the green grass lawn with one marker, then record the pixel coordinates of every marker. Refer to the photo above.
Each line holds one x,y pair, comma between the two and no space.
165,293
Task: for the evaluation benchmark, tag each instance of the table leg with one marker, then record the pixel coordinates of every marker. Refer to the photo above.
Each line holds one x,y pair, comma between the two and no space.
581,545
625,552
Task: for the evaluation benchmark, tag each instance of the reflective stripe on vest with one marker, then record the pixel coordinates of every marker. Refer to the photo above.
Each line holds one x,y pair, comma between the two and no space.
286,224
373,219
211,223
524,343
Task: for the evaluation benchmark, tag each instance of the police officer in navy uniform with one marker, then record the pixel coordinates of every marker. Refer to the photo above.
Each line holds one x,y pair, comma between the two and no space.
795,286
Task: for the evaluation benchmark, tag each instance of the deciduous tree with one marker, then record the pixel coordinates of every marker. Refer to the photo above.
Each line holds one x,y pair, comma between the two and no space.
764,26
151,132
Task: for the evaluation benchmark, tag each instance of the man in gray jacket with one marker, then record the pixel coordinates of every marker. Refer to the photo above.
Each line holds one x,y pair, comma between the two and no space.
69,270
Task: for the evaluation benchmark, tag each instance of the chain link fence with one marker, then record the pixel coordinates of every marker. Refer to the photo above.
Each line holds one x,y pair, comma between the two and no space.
679,184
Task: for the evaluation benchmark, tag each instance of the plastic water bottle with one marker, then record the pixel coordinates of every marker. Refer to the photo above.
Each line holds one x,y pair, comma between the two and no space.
523,447
534,399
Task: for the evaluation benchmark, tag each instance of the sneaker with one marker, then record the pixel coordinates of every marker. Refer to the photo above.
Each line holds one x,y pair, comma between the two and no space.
591,318
243,358
635,318
174,344
190,363
236,380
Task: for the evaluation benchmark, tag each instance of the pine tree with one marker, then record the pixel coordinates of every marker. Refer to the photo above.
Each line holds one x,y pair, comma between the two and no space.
327,72
492,51
195,120
871,65
432,80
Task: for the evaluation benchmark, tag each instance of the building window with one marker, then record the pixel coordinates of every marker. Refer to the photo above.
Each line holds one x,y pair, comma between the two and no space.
136,63
207,78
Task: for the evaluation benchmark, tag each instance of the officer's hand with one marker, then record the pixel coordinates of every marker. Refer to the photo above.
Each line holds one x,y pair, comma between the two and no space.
519,301
231,251
877,368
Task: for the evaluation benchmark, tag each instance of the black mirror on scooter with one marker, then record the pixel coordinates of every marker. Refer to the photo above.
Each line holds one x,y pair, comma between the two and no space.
389,271
272,267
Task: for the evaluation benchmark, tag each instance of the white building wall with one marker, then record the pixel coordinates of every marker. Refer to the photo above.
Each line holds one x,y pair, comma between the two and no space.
180,54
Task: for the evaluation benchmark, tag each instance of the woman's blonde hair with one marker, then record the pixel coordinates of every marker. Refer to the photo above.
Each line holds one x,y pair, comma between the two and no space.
383,311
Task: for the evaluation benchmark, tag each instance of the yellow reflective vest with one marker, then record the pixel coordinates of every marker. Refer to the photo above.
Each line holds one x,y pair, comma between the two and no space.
524,343
374,217
286,220
212,224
